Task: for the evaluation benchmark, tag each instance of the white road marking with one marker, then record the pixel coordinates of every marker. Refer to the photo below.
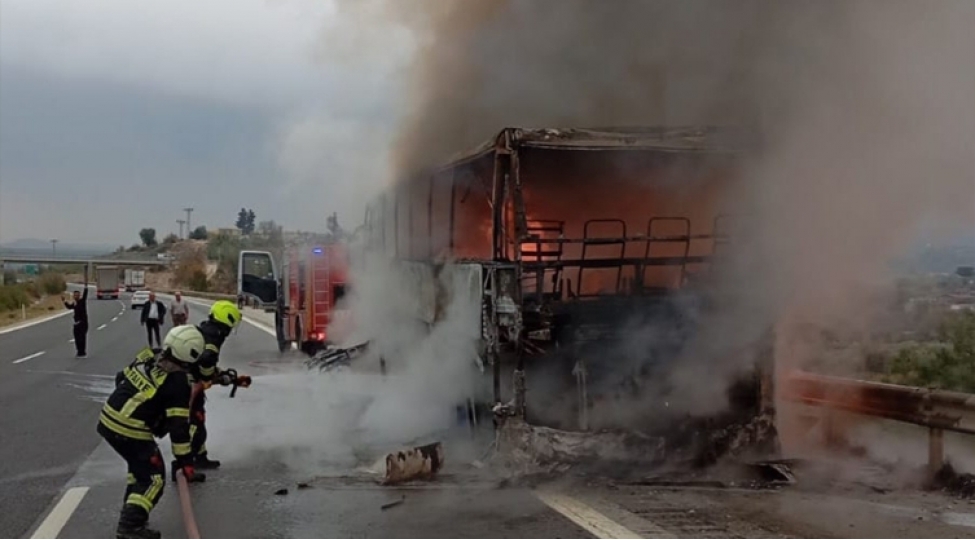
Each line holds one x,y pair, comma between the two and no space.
115,318
71,341
102,327
26,358
584,516
34,322
58,518
259,325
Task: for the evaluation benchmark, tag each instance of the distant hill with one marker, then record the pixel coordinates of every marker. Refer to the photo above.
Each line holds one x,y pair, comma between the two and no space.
33,246
943,258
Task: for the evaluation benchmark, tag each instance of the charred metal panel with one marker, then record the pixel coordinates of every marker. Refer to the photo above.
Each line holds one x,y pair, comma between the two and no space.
419,280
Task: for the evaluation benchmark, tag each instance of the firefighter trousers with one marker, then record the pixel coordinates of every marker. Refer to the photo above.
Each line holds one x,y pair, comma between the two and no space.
198,426
146,477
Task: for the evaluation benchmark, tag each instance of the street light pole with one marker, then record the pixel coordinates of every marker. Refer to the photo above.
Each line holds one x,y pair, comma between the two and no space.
54,246
181,223
189,227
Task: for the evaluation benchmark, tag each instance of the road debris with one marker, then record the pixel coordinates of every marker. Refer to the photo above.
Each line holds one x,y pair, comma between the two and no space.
389,505
774,472
282,491
303,485
421,462
949,480
328,359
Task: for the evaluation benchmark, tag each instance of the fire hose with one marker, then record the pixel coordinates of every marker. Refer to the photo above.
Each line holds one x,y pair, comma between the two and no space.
183,488
186,507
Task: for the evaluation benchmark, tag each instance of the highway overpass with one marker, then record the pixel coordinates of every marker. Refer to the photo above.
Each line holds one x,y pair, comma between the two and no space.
33,259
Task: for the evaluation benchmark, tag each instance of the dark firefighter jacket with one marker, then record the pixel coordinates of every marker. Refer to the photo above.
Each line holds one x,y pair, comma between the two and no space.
149,401
214,334
80,308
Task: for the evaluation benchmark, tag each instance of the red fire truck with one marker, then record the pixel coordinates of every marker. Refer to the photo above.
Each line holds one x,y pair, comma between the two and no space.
313,284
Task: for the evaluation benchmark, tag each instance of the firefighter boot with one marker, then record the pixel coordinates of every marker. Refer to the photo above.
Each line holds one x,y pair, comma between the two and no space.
132,524
203,461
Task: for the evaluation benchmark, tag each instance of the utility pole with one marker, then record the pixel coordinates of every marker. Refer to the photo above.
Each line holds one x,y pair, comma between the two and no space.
54,246
189,228
181,223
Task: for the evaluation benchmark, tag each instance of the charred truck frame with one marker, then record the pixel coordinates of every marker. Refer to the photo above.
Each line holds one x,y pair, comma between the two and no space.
574,240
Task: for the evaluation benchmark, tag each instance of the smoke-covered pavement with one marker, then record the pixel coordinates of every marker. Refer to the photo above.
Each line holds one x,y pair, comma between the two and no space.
299,427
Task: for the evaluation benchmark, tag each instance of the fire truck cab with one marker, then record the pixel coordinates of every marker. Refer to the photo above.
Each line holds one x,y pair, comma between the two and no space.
313,283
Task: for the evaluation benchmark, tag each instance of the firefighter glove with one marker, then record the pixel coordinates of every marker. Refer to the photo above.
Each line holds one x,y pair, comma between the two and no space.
189,472
192,476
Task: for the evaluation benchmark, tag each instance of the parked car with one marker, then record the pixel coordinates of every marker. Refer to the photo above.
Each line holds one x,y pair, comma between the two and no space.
139,298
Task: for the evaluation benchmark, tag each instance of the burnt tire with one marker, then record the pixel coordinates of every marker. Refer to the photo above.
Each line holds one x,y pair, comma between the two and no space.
283,343
299,339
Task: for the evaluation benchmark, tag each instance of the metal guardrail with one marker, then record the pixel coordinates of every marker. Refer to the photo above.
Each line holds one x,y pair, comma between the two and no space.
195,294
937,410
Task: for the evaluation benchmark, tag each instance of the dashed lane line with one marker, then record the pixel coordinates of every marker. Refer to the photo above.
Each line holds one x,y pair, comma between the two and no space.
58,518
585,516
115,318
102,327
26,358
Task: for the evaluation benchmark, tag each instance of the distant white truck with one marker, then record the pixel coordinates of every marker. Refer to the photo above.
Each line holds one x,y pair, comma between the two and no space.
134,280
106,282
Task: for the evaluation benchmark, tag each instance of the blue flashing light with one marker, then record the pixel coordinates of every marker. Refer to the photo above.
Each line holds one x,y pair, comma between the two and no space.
317,251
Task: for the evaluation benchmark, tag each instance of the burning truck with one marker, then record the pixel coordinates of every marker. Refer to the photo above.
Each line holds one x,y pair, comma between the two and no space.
596,257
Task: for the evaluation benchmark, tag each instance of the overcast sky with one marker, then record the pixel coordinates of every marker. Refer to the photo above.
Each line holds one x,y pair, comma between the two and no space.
114,115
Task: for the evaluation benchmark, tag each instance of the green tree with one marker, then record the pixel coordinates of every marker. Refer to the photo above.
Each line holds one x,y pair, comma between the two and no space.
52,284
190,271
268,229
148,236
245,221
224,249
948,363
242,221
199,233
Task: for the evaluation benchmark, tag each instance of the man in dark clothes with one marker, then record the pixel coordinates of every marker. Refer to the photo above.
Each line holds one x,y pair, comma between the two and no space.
153,314
79,305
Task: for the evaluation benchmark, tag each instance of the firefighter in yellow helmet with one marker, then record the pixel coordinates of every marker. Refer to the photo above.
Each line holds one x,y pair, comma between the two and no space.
152,399
224,318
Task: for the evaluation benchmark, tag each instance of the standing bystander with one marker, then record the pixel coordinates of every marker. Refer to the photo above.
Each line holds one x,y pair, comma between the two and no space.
179,310
79,305
153,314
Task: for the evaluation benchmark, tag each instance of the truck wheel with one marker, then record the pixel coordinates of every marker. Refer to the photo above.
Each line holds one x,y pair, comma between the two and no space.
283,344
299,339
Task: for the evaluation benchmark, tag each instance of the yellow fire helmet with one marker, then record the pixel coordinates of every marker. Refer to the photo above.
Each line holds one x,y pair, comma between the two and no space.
226,313
185,343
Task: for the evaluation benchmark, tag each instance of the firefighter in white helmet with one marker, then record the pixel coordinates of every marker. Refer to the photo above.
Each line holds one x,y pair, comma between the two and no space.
152,399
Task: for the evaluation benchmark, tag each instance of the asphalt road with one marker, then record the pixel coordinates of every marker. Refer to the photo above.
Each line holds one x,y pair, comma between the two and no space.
48,408
272,436
300,452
